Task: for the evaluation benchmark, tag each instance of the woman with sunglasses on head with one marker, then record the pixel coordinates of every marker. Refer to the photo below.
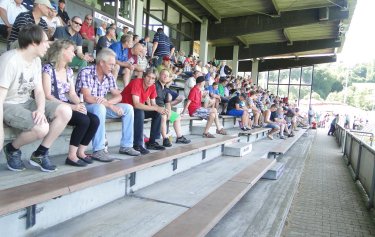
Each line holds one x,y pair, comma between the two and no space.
58,85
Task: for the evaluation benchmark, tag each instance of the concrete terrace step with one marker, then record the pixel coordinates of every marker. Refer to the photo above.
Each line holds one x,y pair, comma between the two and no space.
113,180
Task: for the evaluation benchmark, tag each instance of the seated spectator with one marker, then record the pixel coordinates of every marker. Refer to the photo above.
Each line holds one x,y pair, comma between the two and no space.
213,92
102,30
142,61
9,10
165,65
58,84
95,82
62,13
53,21
224,70
268,123
253,96
137,93
148,44
193,105
41,8
235,109
88,34
21,73
71,32
136,39
126,58
190,82
278,117
106,40
124,31
222,87
163,100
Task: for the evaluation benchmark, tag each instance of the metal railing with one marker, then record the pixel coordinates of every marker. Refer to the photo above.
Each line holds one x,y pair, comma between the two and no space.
361,158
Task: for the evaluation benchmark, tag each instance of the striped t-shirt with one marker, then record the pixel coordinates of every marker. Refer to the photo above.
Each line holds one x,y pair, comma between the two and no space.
23,19
164,45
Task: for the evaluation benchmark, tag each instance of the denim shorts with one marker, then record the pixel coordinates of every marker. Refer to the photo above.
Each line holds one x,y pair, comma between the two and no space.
20,115
272,126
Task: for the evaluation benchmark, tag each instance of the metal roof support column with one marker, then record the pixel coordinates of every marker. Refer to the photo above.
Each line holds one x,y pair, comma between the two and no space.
254,70
235,59
138,17
203,41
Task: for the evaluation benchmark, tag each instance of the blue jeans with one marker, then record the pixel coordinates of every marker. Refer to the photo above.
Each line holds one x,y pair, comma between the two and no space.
140,116
98,142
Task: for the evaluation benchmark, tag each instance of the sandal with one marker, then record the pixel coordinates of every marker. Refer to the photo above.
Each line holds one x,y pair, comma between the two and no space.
221,131
208,135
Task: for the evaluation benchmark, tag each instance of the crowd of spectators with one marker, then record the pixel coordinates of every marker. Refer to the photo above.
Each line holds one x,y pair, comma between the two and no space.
41,97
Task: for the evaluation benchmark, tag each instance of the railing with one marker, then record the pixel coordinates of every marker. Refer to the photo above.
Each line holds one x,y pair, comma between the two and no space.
361,158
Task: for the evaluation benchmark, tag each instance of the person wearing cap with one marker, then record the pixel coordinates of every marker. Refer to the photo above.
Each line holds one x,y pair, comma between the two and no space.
9,10
53,20
235,109
163,99
106,40
88,33
194,104
166,65
137,93
62,13
161,47
71,32
41,8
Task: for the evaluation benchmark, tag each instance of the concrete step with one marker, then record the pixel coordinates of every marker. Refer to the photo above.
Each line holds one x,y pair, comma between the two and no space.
238,149
67,206
275,172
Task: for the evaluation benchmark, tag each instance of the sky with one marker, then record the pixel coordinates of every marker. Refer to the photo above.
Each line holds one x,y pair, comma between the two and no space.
359,44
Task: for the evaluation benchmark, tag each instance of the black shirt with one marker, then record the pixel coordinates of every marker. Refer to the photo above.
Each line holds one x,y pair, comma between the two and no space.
162,97
273,116
64,15
103,42
232,103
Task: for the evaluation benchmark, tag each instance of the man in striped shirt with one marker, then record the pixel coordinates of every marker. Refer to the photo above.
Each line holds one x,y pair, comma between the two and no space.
162,46
41,8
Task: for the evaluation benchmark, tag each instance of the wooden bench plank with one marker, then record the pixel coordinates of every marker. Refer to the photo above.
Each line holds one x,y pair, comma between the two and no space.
202,217
283,147
22,196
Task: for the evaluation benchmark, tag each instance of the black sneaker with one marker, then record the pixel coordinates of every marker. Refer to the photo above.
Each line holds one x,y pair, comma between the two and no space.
182,140
154,146
166,142
141,149
42,162
14,161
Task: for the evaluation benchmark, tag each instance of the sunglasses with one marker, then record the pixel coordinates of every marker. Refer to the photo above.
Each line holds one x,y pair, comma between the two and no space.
77,23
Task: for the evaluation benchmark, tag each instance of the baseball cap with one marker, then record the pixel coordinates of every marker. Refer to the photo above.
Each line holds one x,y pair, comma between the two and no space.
45,2
166,58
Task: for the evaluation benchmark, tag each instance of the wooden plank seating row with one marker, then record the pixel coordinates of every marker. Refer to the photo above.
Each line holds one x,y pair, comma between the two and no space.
203,216
282,148
27,195
254,131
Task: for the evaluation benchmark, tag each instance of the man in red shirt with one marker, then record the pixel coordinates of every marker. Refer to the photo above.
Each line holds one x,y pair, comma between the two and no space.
194,106
88,33
137,93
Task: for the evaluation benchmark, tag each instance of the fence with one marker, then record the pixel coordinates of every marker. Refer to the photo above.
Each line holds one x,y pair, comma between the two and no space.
361,158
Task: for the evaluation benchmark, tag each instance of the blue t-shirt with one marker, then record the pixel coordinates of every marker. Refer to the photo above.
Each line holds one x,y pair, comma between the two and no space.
164,45
121,53
211,89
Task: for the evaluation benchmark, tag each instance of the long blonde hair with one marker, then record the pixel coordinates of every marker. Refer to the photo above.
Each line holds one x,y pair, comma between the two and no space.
53,54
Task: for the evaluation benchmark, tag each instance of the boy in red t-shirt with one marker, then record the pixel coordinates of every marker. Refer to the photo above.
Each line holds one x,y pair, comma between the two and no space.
194,106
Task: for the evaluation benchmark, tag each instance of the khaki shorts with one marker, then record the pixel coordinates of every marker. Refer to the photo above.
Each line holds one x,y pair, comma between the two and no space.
20,115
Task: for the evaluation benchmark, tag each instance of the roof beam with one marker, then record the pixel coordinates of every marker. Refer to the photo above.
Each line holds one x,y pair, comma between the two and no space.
275,9
276,64
287,36
181,8
272,49
209,9
243,25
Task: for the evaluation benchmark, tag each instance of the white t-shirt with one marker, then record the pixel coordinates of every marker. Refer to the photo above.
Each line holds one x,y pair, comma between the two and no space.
190,83
18,76
53,23
12,10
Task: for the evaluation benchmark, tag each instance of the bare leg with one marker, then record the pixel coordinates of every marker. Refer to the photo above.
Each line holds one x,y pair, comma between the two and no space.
210,119
177,127
115,71
81,151
37,132
63,114
163,127
126,76
72,154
